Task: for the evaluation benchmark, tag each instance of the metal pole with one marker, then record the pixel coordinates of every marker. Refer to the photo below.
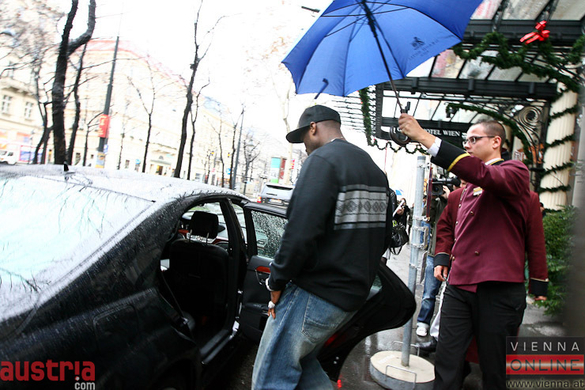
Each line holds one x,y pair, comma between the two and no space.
104,140
415,248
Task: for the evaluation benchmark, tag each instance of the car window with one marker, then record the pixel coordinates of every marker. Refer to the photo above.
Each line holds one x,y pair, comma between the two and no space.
49,227
222,238
241,219
269,230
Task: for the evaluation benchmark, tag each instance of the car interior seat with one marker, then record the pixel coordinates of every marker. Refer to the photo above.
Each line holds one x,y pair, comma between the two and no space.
198,269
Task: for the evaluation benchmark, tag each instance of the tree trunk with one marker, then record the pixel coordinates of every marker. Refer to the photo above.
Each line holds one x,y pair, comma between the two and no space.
186,112
232,179
58,92
75,125
44,137
191,144
147,142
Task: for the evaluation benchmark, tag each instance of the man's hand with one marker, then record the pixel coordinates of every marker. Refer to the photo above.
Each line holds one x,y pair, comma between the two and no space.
540,298
446,192
441,272
410,127
274,298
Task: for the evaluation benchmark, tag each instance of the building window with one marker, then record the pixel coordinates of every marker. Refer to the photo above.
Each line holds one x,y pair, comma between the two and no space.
6,101
28,109
77,158
10,70
126,164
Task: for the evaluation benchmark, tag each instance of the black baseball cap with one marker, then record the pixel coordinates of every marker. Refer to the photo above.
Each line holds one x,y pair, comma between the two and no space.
312,114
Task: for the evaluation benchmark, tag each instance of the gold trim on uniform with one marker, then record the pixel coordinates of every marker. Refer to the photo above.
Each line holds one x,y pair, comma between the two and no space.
457,160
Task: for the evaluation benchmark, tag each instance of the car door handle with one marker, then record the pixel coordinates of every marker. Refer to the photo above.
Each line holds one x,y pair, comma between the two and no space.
262,273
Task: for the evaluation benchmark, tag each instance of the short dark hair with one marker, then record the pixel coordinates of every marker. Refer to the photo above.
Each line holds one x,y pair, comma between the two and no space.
494,128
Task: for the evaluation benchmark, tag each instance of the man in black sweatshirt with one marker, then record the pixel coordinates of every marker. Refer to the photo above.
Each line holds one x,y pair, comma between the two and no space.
330,251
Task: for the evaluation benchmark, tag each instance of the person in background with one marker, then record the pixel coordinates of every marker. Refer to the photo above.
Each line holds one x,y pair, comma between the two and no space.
339,224
402,213
431,284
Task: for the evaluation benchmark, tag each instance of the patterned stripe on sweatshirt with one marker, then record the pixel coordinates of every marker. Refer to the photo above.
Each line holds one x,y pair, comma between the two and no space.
361,207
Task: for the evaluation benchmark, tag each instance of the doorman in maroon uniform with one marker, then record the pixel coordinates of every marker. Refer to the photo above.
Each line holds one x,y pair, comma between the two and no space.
485,295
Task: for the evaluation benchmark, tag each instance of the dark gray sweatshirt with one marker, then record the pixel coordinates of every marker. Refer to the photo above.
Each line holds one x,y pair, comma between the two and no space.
337,226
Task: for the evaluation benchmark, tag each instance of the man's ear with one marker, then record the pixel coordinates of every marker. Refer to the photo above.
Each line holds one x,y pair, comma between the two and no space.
497,142
313,128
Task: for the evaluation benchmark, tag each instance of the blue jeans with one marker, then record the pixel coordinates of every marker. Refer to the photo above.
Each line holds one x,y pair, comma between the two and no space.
287,355
431,289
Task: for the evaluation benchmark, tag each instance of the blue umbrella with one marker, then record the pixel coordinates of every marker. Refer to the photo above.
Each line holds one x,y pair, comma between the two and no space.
358,43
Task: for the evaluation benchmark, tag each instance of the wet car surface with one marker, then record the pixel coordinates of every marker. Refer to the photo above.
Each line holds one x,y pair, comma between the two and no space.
127,280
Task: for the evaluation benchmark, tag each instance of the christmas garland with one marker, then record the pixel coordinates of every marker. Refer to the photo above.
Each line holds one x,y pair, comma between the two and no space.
511,123
554,189
555,67
367,119
571,110
365,98
558,168
570,137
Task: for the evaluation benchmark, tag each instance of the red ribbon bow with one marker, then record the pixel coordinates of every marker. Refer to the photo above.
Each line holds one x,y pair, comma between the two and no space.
540,34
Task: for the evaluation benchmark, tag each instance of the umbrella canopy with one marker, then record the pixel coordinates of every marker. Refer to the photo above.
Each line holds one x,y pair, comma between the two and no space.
358,43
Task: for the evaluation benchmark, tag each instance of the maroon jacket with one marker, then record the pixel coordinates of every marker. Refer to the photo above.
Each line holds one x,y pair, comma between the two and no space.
535,249
489,230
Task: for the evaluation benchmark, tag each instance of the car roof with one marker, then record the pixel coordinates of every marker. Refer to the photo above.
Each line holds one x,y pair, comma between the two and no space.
149,187
101,207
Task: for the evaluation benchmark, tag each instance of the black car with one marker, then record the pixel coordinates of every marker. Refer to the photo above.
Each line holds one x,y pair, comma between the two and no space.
120,280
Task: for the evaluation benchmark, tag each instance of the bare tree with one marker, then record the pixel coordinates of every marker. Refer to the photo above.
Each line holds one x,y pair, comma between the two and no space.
194,115
197,58
251,153
233,153
77,102
148,103
88,126
66,48
281,82
219,132
28,32
123,134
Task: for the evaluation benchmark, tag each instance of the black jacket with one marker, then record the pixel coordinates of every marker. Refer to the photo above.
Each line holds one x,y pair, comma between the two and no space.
337,226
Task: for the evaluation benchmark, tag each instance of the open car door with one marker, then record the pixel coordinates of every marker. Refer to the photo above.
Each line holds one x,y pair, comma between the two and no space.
390,303
264,228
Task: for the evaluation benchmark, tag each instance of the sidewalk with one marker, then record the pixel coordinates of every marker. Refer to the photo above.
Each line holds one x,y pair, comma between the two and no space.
356,370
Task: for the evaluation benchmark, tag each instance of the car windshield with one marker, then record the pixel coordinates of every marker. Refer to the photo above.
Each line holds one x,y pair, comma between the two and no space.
49,228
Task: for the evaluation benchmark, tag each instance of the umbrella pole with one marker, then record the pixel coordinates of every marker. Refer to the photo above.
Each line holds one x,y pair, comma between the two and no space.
372,24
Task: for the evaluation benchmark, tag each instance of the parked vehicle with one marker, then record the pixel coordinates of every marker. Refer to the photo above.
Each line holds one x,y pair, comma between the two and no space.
8,157
122,280
276,194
